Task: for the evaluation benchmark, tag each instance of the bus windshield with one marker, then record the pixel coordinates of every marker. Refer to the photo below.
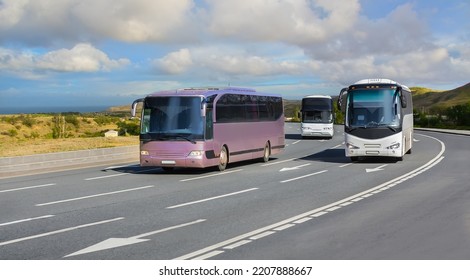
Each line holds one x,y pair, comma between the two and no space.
373,108
173,118
317,110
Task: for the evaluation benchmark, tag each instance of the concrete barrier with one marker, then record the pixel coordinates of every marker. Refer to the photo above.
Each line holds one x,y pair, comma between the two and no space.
34,164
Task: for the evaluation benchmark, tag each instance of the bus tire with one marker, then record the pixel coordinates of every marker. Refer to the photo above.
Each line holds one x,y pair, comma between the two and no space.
266,152
223,159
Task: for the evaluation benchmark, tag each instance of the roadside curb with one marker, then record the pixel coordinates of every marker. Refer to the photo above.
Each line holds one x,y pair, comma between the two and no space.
448,131
40,163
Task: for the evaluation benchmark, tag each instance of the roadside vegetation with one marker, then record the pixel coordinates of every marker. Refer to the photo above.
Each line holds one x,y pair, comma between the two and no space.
45,133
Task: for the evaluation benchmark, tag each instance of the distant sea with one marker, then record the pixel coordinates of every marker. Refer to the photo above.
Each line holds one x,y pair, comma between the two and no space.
56,109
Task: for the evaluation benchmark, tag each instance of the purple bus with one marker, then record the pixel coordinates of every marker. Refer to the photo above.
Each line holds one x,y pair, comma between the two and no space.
198,128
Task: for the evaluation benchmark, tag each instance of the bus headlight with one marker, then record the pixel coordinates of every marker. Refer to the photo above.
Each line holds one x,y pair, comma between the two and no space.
394,146
196,154
351,146
144,153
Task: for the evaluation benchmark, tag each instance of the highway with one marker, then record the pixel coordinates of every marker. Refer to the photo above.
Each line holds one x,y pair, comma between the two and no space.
309,202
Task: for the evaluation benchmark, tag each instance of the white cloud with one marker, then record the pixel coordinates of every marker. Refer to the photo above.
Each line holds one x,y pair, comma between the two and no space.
175,62
293,21
80,58
42,22
226,61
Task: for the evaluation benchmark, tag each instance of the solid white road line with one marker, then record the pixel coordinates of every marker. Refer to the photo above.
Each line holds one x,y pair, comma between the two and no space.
27,188
211,198
26,220
95,195
58,231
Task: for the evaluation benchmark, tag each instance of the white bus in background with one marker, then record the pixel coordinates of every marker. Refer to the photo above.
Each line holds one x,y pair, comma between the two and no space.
317,116
378,119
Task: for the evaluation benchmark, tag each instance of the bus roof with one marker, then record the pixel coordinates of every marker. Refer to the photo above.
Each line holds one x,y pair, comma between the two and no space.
318,96
380,81
207,91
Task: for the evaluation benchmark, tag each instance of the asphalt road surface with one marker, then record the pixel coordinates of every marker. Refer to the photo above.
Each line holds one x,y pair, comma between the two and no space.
309,203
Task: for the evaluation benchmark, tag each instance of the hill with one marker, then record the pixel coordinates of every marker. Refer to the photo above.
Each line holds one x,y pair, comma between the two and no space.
427,98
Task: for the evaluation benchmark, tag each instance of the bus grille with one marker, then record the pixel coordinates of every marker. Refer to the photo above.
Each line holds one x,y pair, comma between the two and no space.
169,154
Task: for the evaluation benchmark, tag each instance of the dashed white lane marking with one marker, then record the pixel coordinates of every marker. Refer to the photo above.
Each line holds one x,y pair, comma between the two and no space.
211,198
106,176
95,195
277,162
58,231
27,188
305,176
27,220
211,175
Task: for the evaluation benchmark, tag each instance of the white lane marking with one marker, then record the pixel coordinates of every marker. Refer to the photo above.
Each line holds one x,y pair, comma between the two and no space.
95,195
27,188
106,176
119,174
119,166
294,168
58,231
119,242
298,141
337,146
27,220
303,220
305,176
316,215
212,175
286,226
277,162
238,244
211,198
202,253
261,235
375,169
344,165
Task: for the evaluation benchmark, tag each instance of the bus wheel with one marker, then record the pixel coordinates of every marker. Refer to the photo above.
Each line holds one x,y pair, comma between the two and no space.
223,159
267,152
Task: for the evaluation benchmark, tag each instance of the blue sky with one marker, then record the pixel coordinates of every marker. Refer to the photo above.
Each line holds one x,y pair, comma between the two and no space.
110,52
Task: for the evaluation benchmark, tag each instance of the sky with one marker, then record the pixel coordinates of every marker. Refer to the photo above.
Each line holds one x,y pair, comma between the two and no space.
110,52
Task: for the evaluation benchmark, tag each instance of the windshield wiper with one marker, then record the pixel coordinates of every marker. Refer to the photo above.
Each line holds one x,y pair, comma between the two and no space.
186,138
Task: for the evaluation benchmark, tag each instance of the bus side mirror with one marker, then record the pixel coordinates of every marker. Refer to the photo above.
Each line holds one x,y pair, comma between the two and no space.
134,106
343,92
402,97
403,100
203,107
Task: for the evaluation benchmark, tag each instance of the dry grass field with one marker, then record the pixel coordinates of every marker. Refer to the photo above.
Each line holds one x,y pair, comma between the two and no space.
40,133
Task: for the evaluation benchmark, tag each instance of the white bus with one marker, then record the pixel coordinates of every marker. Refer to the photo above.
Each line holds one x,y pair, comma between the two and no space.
317,116
378,119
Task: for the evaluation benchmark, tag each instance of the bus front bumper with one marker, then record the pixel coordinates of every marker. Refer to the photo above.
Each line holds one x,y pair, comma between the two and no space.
186,162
